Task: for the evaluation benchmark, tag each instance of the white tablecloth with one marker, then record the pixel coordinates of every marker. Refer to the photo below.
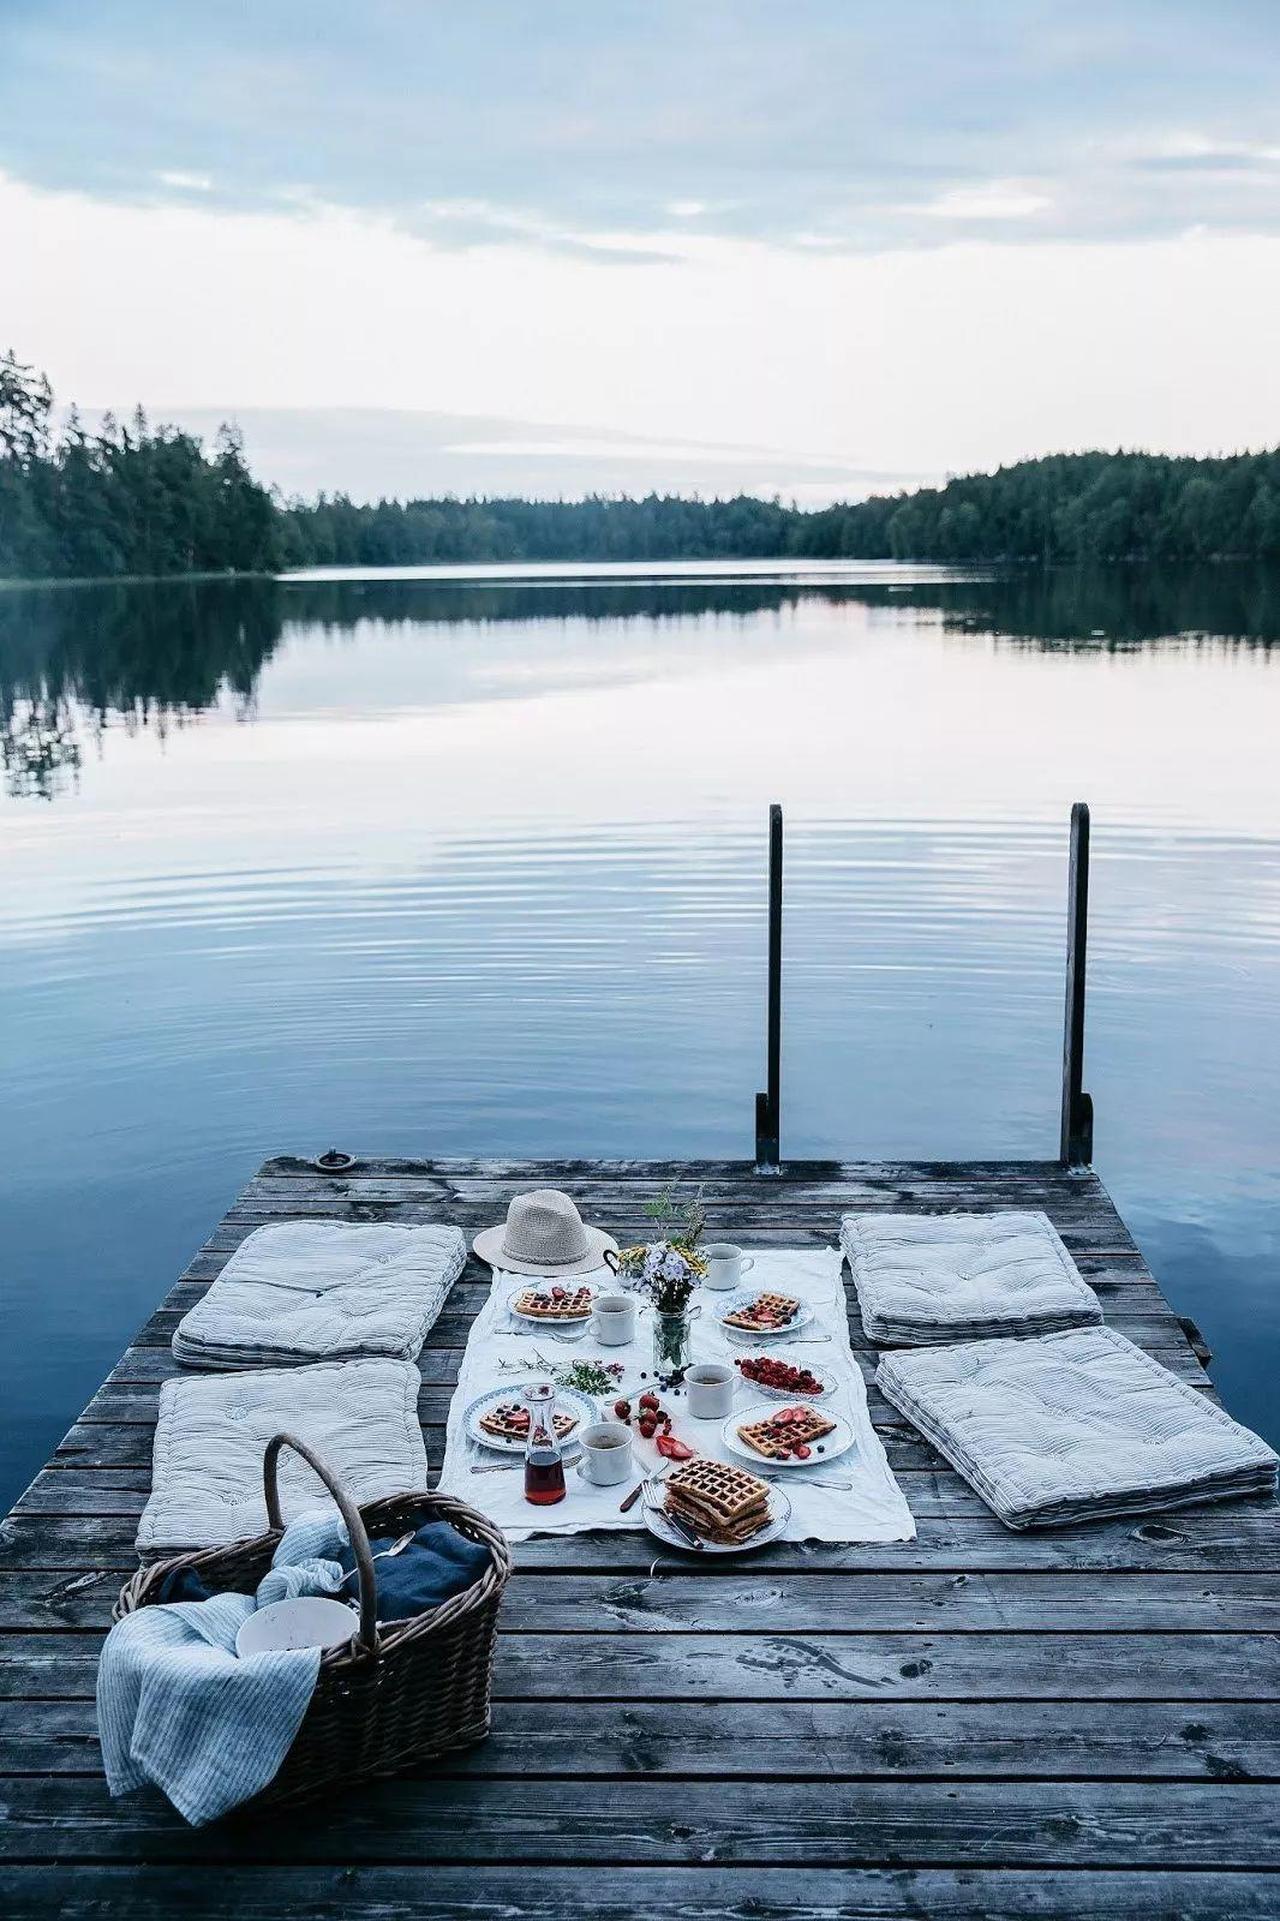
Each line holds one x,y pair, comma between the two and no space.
872,1510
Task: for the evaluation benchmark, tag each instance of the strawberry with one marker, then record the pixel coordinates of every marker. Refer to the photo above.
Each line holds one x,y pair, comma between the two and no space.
673,1449
802,1451
623,1410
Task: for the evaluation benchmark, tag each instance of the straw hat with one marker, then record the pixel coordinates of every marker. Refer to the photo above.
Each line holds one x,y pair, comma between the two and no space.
543,1234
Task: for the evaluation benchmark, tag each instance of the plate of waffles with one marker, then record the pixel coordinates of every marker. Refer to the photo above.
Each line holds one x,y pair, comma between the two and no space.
553,1305
499,1419
795,1436
729,1509
763,1314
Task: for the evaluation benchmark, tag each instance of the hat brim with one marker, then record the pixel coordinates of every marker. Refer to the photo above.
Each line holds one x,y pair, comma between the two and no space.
488,1245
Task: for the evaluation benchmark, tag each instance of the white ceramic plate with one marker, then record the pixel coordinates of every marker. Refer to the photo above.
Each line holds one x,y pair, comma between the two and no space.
569,1400
303,1621
826,1384
655,1519
839,1441
541,1320
747,1297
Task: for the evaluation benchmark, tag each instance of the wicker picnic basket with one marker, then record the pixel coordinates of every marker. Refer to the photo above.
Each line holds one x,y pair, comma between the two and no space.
395,1695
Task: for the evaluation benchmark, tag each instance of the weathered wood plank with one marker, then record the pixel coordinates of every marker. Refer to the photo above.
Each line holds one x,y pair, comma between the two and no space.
1010,1823
781,1666
845,1740
737,1602
704,1893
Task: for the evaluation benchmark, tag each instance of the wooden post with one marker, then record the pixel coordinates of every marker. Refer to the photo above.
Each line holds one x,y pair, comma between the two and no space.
768,1104
1076,1148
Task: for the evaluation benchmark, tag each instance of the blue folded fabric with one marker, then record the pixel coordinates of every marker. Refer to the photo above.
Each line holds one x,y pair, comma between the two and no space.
439,1563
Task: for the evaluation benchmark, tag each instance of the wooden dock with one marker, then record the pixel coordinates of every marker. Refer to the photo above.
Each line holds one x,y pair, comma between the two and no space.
972,1724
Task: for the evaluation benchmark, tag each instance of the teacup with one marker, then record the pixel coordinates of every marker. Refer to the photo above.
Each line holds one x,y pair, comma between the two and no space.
613,1319
710,1388
606,1453
726,1264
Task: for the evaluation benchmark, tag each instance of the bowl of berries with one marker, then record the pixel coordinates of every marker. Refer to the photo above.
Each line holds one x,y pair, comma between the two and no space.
781,1381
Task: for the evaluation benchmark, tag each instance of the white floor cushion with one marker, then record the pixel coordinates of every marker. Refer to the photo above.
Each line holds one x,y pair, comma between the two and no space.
1069,1427
924,1278
301,1291
361,1417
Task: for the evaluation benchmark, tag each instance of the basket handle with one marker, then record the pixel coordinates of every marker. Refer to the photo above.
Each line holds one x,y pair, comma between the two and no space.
350,1513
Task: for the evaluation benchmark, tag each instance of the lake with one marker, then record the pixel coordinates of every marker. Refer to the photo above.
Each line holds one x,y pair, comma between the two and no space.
472,861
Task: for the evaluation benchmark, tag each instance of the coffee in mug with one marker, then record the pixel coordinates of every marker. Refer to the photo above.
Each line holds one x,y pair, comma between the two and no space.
613,1319
606,1453
710,1386
726,1264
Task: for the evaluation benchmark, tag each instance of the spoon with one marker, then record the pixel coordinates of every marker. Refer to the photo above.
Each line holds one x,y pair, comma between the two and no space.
385,1553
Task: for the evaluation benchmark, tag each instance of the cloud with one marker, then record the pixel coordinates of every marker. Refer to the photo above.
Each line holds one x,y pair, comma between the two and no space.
373,452
185,182
613,130
990,200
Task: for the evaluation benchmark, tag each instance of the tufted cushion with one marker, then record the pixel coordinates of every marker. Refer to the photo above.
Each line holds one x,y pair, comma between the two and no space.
923,1278
322,1290
361,1417
1072,1426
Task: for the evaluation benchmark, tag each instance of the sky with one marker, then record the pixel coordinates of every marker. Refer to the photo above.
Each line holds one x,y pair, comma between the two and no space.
818,250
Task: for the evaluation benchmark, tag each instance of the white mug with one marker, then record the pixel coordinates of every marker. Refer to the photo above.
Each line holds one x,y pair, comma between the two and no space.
726,1264
606,1453
710,1388
613,1319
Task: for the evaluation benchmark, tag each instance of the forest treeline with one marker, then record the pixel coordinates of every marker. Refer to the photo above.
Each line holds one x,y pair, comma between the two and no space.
134,499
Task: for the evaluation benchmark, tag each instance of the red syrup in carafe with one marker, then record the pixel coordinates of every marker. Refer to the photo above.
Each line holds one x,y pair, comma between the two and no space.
543,1467
544,1482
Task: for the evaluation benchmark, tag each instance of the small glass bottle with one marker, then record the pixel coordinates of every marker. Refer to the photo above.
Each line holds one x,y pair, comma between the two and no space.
543,1463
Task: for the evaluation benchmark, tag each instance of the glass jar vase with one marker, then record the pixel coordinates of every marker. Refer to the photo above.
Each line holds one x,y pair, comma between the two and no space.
672,1343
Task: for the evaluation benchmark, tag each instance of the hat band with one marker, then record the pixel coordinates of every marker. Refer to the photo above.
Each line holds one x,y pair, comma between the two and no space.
546,1260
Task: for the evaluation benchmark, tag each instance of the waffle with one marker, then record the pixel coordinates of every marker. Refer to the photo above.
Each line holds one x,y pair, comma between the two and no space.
721,1503
778,1435
765,1313
540,1303
508,1421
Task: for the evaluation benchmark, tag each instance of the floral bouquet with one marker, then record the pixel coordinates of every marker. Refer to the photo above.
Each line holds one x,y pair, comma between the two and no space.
665,1272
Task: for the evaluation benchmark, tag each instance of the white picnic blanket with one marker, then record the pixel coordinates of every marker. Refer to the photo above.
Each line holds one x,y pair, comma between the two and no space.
361,1418
300,1291
924,1278
873,1509
1074,1426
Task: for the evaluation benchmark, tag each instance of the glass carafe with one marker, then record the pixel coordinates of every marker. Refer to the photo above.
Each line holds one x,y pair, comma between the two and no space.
543,1464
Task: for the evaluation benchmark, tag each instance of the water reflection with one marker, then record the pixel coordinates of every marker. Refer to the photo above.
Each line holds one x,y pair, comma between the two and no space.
155,655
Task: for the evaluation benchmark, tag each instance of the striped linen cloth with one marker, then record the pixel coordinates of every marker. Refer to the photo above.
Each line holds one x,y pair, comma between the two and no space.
178,1708
1073,1426
300,1291
926,1278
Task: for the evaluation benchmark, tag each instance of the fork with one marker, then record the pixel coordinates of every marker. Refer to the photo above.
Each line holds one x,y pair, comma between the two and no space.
673,1520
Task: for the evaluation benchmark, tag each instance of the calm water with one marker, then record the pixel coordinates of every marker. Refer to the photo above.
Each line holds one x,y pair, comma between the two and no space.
448,865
